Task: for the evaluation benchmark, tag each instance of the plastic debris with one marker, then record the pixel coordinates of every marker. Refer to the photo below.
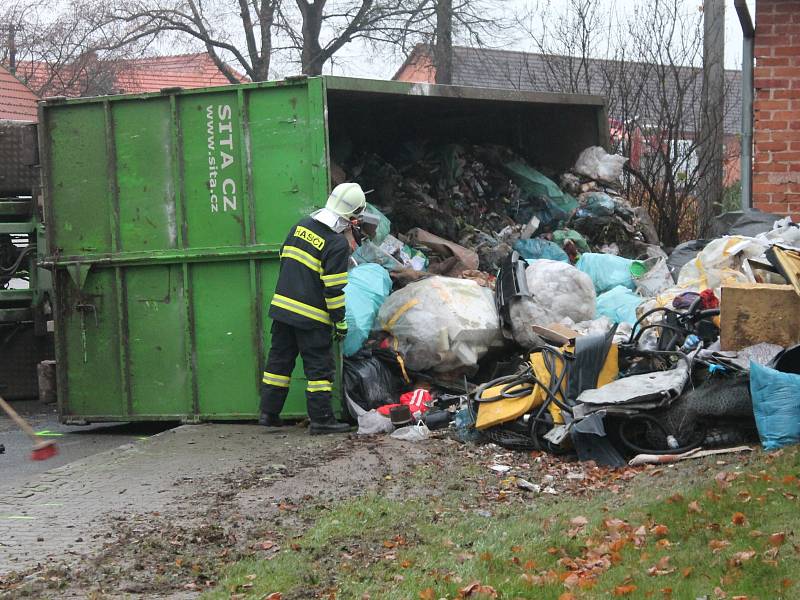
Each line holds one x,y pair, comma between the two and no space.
367,288
608,271
619,304
559,291
540,248
442,324
594,162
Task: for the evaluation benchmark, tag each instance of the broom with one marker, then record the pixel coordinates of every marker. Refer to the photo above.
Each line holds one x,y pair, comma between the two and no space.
42,450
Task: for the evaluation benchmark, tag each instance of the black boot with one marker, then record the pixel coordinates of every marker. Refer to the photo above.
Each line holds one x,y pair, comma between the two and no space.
269,420
327,425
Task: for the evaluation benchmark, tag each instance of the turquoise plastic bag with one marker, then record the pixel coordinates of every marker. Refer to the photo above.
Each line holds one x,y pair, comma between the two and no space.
539,248
619,304
533,184
384,224
776,406
367,288
607,270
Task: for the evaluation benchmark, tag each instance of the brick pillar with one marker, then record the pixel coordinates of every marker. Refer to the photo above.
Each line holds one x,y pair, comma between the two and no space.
776,161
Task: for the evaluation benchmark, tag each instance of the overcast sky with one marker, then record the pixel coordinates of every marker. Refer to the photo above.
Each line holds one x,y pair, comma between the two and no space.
358,61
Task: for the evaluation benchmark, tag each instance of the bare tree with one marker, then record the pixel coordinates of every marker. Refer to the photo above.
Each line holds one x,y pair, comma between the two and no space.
647,68
59,53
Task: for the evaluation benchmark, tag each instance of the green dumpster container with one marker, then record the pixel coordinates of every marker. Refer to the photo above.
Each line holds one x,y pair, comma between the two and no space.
165,213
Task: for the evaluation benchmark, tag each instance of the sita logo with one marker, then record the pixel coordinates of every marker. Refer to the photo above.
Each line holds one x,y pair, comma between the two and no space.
220,157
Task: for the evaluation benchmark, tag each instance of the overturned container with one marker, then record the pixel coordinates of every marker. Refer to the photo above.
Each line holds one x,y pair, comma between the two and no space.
166,213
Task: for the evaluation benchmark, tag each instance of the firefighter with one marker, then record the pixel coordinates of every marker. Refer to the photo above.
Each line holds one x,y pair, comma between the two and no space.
307,309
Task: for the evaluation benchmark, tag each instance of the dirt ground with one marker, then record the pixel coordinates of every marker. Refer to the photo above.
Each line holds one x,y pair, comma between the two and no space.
251,510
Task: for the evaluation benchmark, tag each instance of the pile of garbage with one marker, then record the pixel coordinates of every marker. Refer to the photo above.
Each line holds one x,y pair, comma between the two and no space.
489,301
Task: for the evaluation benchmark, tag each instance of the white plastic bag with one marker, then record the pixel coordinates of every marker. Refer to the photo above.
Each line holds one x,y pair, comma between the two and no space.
442,323
596,163
413,433
559,291
655,280
721,262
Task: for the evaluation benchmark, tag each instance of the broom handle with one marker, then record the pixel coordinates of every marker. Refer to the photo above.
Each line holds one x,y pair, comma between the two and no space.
18,420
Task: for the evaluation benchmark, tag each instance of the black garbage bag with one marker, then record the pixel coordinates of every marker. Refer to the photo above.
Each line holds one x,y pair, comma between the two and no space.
748,223
370,380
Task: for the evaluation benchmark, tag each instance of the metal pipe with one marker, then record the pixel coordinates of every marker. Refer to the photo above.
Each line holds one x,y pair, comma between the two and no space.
748,44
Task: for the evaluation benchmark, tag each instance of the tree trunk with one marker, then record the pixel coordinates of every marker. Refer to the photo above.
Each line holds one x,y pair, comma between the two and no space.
713,105
443,52
311,57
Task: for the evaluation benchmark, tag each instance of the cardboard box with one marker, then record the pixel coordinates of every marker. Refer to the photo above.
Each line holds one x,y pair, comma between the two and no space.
751,313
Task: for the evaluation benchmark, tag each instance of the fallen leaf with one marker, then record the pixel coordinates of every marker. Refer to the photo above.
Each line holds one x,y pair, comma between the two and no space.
427,594
476,589
273,596
660,530
694,507
777,539
786,583
719,592
722,479
675,499
486,556
567,596
717,545
406,564
579,521
667,592
687,572
738,518
624,590
516,549
739,557
388,544
740,598
663,543
661,568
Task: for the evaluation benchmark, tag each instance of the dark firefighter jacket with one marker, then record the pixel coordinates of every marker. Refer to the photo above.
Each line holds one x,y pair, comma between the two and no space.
310,288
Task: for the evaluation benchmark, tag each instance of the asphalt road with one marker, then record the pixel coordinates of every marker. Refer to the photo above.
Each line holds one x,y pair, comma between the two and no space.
73,442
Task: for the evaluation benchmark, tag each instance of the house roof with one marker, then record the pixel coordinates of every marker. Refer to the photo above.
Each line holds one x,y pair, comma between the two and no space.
17,102
89,76
157,72
627,83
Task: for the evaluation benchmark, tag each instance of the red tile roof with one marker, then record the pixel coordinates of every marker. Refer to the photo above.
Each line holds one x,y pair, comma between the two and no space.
90,76
153,74
17,102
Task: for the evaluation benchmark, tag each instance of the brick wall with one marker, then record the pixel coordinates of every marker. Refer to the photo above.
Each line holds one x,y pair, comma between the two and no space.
776,164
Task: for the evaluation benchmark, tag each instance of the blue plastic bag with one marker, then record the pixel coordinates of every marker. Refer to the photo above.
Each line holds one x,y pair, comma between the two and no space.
538,248
607,270
776,405
619,304
367,288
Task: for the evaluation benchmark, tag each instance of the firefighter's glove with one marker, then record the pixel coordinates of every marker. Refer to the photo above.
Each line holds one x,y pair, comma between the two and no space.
340,331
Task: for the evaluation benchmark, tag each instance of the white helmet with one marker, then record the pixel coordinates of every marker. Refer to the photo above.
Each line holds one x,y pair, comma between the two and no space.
346,200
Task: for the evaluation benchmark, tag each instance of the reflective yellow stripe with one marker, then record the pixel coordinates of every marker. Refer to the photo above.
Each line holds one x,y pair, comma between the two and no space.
334,279
276,380
321,385
302,257
335,302
301,309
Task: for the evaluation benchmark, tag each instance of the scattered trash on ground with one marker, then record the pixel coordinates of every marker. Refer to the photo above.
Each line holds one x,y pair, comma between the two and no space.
503,304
